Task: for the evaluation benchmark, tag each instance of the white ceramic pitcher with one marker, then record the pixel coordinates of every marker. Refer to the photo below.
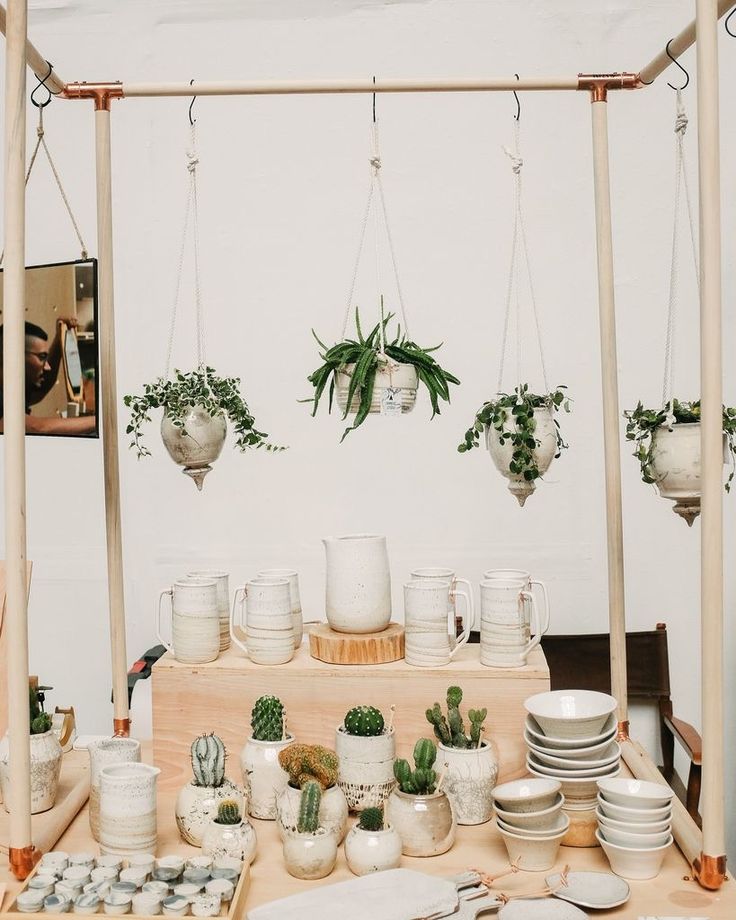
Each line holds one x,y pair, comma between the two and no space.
358,595
195,621
429,622
103,753
269,626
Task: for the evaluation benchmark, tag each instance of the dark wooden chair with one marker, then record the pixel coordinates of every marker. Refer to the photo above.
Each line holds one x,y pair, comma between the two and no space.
582,662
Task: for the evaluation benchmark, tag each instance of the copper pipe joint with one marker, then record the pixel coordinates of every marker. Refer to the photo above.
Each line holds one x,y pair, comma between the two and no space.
598,84
121,728
22,860
710,871
102,93
622,731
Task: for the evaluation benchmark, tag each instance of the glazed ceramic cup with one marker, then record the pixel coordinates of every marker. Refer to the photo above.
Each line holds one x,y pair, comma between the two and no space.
439,573
528,584
102,754
429,622
269,628
195,621
222,582
128,809
505,632
296,604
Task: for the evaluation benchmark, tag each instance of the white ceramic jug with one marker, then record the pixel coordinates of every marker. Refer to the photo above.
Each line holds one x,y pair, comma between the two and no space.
358,596
102,754
222,580
269,626
296,604
195,621
128,808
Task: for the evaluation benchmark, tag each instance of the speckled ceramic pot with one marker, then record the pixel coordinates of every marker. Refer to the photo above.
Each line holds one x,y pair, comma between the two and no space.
263,777
236,840
676,467
310,856
545,435
45,770
196,806
333,811
128,809
358,597
469,781
196,444
372,851
425,823
103,754
366,767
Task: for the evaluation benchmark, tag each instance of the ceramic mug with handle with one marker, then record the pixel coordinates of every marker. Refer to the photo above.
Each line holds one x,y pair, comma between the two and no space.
195,620
442,573
531,583
269,625
429,614
505,635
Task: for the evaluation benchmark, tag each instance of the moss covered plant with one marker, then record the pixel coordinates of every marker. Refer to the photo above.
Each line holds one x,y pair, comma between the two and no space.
450,730
267,719
422,780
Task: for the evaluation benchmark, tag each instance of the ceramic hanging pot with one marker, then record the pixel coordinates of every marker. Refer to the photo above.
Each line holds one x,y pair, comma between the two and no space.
545,434
395,385
197,443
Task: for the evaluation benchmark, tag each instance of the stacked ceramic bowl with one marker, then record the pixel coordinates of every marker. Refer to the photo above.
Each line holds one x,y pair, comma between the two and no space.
530,819
634,825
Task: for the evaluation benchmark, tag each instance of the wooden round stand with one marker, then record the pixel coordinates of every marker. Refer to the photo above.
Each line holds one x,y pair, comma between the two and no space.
326,644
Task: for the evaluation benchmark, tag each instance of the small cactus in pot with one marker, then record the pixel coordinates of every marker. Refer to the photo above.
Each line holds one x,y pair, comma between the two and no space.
306,763
229,834
366,750
267,719
263,777
372,844
310,849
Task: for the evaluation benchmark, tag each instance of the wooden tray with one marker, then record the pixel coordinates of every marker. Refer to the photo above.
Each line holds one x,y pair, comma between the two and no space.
333,647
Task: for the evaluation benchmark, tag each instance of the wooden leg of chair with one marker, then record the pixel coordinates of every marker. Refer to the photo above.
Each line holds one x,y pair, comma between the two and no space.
693,793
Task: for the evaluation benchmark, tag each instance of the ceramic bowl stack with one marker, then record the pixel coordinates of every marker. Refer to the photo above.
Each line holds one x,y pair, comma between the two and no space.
570,736
634,825
530,818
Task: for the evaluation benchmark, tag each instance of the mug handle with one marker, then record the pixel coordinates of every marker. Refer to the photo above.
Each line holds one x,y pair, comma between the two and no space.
170,592
238,602
465,634
543,586
469,603
535,617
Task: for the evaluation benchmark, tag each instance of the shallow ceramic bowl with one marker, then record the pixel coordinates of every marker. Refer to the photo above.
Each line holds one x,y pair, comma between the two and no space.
578,790
610,754
631,827
564,743
535,820
637,841
571,713
633,815
632,863
527,795
56,904
117,903
560,823
532,854
635,793
583,752
30,902
564,773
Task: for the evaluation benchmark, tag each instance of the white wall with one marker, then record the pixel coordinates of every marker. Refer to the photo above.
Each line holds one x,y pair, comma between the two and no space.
282,186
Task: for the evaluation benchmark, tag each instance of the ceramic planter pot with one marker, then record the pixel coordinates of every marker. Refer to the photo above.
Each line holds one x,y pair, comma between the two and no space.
372,851
310,856
546,436
236,840
263,778
128,809
196,806
358,596
425,823
366,767
676,467
401,377
45,770
333,811
471,776
102,754
197,444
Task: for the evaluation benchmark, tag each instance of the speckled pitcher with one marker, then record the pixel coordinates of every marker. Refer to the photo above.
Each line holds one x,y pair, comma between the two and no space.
103,754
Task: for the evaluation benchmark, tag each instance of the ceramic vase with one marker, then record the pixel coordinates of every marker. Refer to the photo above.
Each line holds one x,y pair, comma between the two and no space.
366,767
394,389
545,435
310,856
235,840
195,622
333,811
103,754
358,595
269,628
222,582
296,604
469,781
197,443
263,777
128,809
425,823
45,769
372,851
196,806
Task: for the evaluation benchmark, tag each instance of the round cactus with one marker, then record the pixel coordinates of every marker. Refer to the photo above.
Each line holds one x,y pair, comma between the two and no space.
364,720
308,820
371,819
267,719
208,760
228,812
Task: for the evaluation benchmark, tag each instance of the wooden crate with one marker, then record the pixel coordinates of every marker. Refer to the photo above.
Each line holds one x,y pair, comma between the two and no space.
191,699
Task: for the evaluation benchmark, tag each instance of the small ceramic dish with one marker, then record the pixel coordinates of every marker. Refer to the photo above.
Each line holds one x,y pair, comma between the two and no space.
104,874
101,889
117,903
610,754
137,875
565,743
43,885
222,887
199,862
578,789
147,903
637,841
206,905
158,888
198,875
545,817
56,858
635,793
30,902
175,906
571,713
76,875
56,904
634,815
527,795
82,859
188,890
165,874
533,854
224,872
123,887
69,890
561,822
86,904
170,862
565,773
632,827
600,890
634,863
141,861
109,860
226,862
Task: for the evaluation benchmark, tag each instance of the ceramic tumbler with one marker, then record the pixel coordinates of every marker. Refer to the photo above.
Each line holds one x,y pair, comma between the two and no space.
505,634
128,809
222,580
195,621
529,585
296,605
429,622
441,573
269,626
103,754
358,590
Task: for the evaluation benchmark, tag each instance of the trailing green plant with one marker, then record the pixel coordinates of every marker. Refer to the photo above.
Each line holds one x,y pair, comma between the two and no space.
200,387
450,731
371,819
305,762
364,720
365,357
208,756
519,407
642,424
228,812
267,719
40,721
423,779
308,820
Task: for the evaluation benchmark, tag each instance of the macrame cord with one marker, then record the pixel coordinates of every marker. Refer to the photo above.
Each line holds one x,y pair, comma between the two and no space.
190,212
519,253
42,145
681,184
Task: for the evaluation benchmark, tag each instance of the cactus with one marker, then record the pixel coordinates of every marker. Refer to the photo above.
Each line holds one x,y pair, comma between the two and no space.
304,762
423,780
208,760
40,721
228,812
267,719
308,821
364,720
371,819
450,731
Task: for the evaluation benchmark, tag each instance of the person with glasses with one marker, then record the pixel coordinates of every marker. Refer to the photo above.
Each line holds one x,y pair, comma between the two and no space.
42,369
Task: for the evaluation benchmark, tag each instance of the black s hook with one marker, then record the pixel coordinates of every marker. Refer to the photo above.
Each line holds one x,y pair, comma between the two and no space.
726,23
675,61
374,101
194,99
518,104
42,83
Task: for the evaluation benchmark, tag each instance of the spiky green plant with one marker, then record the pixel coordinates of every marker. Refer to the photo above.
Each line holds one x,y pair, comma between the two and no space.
365,721
450,731
267,719
308,821
423,779
228,812
208,756
371,819
304,762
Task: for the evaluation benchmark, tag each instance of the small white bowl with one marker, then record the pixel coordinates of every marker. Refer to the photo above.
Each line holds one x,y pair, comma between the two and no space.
578,789
138,875
524,795
82,859
147,903
30,901
564,772
206,905
631,827
634,815
175,906
56,904
632,863
584,752
86,904
222,887
226,862
628,839
635,793
610,754
76,875
561,822
170,862
536,820
117,903
108,860
532,854
571,713
199,862
555,741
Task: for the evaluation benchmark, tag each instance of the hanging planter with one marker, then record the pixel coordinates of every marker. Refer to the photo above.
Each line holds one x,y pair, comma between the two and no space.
668,450
522,435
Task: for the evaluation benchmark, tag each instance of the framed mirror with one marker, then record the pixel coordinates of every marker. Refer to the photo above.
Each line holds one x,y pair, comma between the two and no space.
61,349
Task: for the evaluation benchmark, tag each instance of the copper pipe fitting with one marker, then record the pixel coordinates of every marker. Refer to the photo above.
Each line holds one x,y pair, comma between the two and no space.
121,728
598,84
22,860
622,731
710,871
102,93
